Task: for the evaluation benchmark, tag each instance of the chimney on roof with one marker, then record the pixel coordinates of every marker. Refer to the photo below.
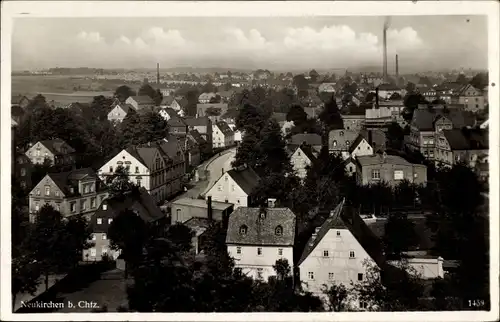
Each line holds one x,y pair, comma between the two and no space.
209,208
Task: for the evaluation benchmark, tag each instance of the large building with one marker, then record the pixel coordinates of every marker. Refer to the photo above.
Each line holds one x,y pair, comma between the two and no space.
57,151
258,237
223,135
77,192
470,98
468,146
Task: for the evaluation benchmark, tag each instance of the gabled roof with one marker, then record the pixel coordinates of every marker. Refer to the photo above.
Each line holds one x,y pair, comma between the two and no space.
167,100
56,146
466,139
69,179
169,146
230,114
16,99
224,128
424,118
261,231
126,107
345,217
247,179
343,139
197,121
143,100
356,142
140,202
197,137
313,112
176,122
170,111
308,151
307,138
374,159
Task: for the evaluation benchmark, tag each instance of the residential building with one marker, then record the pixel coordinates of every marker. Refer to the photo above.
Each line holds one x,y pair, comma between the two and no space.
258,237
340,141
378,117
172,103
205,98
302,158
57,151
214,111
168,113
200,142
471,98
311,139
235,186
360,147
185,209
20,100
76,192
461,146
156,166
177,126
22,170
119,112
223,136
140,202
392,169
327,87
203,125
140,102
354,118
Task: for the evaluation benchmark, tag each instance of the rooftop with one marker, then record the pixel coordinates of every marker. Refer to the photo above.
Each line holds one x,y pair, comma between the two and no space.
200,203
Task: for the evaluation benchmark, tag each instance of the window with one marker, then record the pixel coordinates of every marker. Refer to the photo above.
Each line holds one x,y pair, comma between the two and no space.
360,276
347,143
110,220
398,175
325,253
351,254
72,206
83,204
334,143
243,230
138,182
311,275
57,193
110,169
104,250
331,276
136,169
104,237
278,231
238,250
37,206
99,221
23,172
415,175
92,203
219,187
93,252
232,187
259,273
376,174
94,237
338,233
350,168
280,251
47,190
37,192
259,251
363,305
226,178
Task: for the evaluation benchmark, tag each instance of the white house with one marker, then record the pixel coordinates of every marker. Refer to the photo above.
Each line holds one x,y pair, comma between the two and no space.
206,97
301,158
258,237
335,253
223,136
158,167
119,112
235,186
360,147
140,102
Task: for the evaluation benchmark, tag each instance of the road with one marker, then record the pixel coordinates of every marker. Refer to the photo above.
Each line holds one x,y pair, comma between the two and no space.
216,167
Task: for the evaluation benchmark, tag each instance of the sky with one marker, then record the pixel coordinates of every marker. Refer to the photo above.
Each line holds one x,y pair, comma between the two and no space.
276,43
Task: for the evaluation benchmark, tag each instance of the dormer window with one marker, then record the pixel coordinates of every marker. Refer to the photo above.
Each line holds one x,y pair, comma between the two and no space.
278,231
243,230
341,133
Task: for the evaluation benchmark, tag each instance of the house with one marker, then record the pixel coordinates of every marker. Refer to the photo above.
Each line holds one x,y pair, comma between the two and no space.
167,113
203,125
353,117
314,110
311,139
177,126
460,145
378,117
76,192
205,98
223,136
57,151
392,169
340,141
173,103
258,237
327,88
119,112
156,166
140,102
213,111
235,186
360,147
386,90
20,100
426,122
22,170
139,202
471,98
197,139
185,209
302,158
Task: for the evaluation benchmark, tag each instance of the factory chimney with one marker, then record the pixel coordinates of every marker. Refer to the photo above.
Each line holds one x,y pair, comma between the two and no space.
397,67
386,26
158,73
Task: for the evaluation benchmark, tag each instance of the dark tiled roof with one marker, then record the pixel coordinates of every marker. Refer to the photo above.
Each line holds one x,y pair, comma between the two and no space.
307,138
144,155
308,151
366,160
143,100
196,222
176,122
197,121
56,146
142,203
424,119
341,137
197,137
466,139
69,179
356,142
261,231
378,138
231,114
167,100
247,179
204,106
171,112
127,108
224,128
16,110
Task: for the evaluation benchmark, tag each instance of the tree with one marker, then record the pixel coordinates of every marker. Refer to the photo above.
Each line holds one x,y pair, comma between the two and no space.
282,269
209,88
153,127
119,183
99,108
216,99
296,114
479,80
180,236
395,96
314,75
130,129
399,235
395,136
302,85
128,233
410,87
25,276
370,97
461,79
411,102
337,295
330,116
123,92
272,150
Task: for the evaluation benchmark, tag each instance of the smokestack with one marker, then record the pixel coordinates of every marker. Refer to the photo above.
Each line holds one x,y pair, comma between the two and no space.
386,26
397,68
209,208
158,73
376,97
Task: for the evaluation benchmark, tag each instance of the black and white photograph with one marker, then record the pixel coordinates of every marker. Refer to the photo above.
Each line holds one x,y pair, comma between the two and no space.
224,157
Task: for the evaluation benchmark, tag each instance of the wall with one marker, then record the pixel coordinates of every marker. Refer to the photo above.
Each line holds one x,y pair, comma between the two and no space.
413,173
38,153
124,156
363,148
101,246
182,213
249,261
338,261
229,191
426,268
117,114
300,161
355,123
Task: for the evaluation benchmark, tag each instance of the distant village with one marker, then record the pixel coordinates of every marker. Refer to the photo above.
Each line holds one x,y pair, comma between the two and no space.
306,184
